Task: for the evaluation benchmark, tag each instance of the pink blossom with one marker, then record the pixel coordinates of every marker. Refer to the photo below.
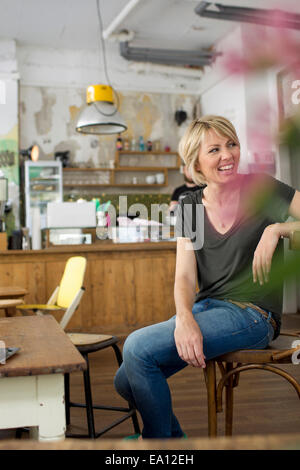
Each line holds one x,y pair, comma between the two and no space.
265,47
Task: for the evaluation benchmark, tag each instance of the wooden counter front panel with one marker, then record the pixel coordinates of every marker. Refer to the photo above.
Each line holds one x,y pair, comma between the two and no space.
124,290
30,275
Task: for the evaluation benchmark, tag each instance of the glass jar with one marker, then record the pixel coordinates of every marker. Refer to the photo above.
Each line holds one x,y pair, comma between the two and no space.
101,229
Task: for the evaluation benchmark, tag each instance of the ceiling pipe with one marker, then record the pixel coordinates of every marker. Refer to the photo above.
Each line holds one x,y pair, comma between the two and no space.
108,32
166,56
246,15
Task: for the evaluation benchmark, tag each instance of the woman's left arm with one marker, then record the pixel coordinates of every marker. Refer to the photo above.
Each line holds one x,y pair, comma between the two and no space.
265,249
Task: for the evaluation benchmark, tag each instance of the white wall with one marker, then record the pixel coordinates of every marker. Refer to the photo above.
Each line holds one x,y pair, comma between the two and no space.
241,99
227,98
224,94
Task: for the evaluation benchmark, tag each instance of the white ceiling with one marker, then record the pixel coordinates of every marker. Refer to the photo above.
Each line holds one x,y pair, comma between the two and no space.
74,23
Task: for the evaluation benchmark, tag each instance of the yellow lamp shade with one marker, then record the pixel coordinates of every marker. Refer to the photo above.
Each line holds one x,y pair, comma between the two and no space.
99,93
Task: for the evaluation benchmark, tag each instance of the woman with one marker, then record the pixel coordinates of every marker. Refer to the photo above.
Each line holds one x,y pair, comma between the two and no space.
239,301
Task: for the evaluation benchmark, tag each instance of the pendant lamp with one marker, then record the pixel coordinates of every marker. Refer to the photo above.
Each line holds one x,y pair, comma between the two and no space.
100,116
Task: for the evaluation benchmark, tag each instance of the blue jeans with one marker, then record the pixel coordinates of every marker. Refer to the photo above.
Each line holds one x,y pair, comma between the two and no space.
150,357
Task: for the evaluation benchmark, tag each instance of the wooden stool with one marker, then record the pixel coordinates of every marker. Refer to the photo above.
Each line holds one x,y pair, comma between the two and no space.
233,363
86,344
9,305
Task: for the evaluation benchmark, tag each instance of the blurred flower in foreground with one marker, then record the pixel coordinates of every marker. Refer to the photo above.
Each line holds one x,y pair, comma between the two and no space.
275,48
260,131
266,47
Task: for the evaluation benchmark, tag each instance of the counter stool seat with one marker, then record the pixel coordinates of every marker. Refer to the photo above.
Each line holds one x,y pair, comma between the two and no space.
86,344
8,303
83,339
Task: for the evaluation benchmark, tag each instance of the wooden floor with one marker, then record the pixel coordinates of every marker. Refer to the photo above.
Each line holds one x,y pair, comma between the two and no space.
264,402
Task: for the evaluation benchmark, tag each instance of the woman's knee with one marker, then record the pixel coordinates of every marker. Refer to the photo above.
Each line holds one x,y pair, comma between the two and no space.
121,383
134,345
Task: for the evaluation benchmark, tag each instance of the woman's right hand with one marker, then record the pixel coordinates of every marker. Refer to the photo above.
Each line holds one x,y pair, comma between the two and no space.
189,341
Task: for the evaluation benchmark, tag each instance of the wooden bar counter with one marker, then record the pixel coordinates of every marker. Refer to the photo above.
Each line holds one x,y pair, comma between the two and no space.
128,285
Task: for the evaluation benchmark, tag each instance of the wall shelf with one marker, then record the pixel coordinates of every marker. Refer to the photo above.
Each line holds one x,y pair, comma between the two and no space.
71,169
119,169
137,152
118,185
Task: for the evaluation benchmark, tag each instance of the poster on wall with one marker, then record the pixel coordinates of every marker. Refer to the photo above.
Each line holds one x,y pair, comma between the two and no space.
9,146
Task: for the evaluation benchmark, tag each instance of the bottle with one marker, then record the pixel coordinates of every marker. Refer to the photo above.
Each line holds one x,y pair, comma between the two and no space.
101,229
126,144
25,239
141,143
157,146
133,144
119,143
149,145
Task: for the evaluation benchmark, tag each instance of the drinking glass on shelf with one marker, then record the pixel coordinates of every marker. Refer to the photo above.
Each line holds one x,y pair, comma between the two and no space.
157,146
80,179
76,178
87,178
70,179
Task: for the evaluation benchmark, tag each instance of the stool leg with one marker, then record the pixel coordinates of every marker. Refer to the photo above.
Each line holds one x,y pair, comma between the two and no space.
134,417
19,433
88,399
67,397
229,402
135,422
118,354
210,376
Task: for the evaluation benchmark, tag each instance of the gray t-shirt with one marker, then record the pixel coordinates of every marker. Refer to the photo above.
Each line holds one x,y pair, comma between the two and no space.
224,261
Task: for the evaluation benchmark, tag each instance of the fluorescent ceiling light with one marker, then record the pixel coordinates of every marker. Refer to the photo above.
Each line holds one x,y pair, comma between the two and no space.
166,56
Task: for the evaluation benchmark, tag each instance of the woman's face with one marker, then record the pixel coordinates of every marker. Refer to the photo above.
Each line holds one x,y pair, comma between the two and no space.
218,158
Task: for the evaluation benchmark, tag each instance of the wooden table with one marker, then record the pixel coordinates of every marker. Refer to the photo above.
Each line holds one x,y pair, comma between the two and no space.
15,294
32,381
190,446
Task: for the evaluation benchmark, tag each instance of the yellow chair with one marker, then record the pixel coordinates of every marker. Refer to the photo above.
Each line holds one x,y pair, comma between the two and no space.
67,295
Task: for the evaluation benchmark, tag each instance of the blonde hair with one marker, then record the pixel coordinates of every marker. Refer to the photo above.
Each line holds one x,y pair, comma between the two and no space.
189,144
